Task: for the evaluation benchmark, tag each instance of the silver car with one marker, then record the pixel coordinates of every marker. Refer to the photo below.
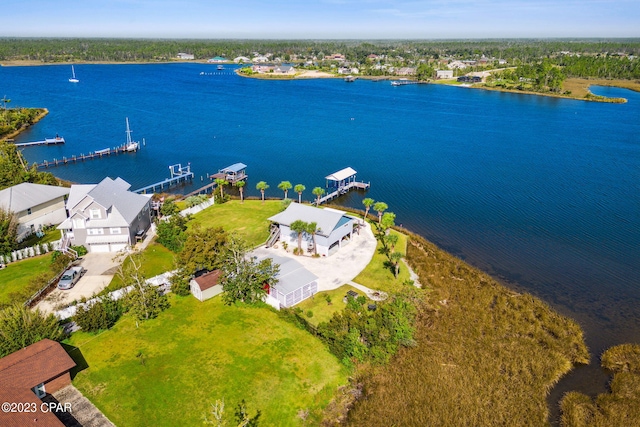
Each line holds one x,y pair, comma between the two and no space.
70,277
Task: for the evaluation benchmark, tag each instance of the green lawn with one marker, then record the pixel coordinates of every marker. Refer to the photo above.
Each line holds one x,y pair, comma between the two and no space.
157,260
49,236
377,276
248,219
195,353
16,275
322,311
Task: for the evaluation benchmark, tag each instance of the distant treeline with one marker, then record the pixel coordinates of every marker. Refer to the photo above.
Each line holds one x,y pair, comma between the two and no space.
606,58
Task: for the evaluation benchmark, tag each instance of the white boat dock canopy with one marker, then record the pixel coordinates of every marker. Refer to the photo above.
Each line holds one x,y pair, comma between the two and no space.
234,168
341,175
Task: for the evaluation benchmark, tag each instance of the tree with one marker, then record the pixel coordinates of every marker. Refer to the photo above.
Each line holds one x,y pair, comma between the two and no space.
391,240
242,416
21,327
243,278
203,249
171,233
380,207
240,185
368,202
169,207
262,186
318,192
101,315
425,71
312,228
395,258
299,227
221,183
8,231
285,186
144,300
388,220
299,188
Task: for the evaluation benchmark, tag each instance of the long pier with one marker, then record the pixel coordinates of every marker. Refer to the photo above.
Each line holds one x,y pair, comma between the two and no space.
46,141
82,157
178,174
343,190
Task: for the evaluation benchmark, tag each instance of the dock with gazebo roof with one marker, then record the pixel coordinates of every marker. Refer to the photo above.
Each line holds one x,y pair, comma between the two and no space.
232,174
341,182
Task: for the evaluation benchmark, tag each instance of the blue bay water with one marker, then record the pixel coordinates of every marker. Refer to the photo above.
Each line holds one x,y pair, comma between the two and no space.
542,193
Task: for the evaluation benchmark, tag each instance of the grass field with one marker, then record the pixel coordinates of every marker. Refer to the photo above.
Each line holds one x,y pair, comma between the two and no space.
377,276
16,276
157,260
322,311
248,219
168,371
484,356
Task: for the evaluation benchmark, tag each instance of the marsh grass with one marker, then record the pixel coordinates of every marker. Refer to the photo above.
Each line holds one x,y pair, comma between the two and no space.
485,355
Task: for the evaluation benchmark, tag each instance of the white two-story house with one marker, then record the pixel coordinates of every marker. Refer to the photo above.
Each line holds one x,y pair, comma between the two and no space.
106,217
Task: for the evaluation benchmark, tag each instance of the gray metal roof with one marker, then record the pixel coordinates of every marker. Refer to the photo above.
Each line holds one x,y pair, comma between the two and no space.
234,168
27,195
292,274
111,193
327,220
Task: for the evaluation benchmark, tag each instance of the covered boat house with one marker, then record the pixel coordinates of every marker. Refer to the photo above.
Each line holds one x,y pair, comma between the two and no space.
232,174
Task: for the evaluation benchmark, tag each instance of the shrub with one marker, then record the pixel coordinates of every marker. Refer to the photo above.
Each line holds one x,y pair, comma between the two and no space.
81,250
102,315
309,314
21,327
180,284
60,261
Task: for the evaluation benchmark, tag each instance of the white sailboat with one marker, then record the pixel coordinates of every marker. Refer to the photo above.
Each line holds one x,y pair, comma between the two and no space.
130,145
73,78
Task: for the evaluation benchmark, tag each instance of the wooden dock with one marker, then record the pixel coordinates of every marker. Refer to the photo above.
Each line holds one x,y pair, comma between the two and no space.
47,141
179,174
202,190
82,157
343,190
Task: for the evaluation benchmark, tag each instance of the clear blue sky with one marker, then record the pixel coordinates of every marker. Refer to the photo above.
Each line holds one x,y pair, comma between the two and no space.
361,19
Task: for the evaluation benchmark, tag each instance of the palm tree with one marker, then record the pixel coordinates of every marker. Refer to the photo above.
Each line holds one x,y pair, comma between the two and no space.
395,260
221,183
380,207
312,228
391,240
262,185
299,227
240,185
285,186
299,188
368,202
318,192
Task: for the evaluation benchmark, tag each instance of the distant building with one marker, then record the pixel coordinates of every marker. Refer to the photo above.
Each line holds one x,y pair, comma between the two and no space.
260,59
444,74
35,206
406,71
470,79
241,60
284,69
262,68
218,59
187,56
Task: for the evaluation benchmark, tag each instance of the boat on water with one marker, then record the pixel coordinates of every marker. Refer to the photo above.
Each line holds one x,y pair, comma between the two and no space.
73,78
57,140
350,79
220,67
131,145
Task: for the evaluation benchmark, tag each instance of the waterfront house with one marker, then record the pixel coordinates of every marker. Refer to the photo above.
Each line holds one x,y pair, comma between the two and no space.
187,56
106,217
284,69
294,283
27,376
241,59
334,228
260,58
206,285
406,71
217,59
444,74
262,68
35,206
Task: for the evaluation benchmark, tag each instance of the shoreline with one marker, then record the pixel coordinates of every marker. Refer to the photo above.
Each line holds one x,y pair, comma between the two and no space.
40,116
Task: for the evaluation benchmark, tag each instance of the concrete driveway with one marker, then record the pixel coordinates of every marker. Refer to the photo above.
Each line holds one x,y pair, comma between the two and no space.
337,269
100,267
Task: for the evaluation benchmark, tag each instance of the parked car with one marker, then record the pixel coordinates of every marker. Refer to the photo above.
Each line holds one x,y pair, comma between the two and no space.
70,277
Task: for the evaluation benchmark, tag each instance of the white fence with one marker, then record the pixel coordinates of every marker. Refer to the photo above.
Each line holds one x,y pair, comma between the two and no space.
197,208
29,252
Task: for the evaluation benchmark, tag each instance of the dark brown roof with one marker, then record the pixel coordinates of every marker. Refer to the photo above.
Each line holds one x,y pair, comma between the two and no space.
23,370
208,280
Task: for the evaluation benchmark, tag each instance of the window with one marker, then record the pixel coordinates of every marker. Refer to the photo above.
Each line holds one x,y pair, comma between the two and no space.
78,223
115,230
95,231
39,390
95,214
29,211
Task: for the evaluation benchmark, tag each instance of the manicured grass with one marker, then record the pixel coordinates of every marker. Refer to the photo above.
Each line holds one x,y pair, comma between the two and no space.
16,276
156,260
49,236
248,219
322,311
484,355
377,276
168,371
